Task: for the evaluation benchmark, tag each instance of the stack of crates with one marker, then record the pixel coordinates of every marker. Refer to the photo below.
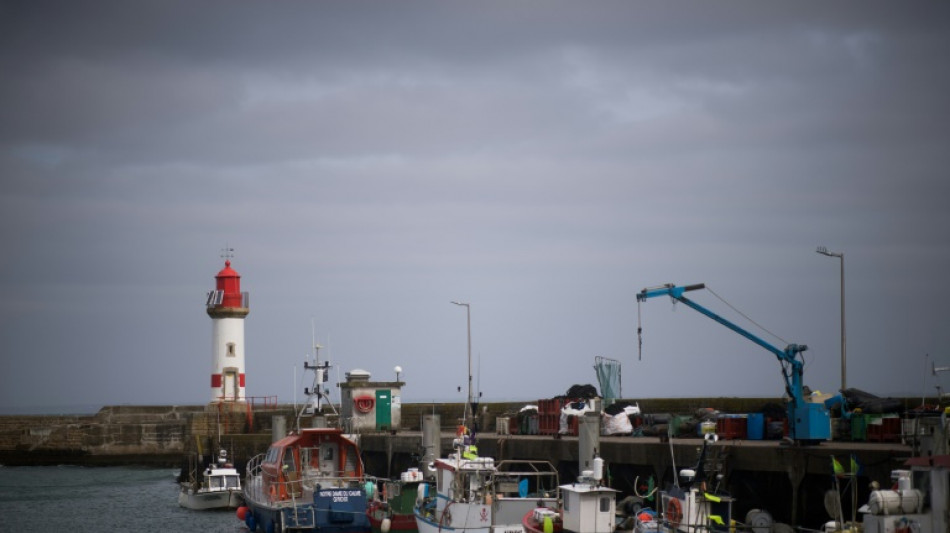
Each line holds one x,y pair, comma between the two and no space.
731,426
529,425
884,428
549,416
859,427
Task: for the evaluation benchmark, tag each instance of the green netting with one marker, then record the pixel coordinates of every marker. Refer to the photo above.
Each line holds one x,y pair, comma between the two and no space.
608,376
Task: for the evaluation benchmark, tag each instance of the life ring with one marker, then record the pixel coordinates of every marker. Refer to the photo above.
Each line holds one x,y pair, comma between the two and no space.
364,404
674,512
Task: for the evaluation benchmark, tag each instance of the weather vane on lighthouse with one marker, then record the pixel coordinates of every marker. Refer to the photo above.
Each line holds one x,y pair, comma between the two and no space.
227,253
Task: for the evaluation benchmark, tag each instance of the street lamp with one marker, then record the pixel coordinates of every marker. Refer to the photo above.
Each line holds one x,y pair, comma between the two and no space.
468,322
840,255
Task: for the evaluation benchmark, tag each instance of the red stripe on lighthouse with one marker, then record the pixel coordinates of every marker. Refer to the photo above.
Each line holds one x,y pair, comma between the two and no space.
242,380
215,381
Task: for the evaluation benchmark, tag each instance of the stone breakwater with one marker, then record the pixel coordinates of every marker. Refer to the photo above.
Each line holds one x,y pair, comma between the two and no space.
118,435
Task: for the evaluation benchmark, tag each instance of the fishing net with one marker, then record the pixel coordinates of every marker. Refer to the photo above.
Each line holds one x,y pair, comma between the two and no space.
608,376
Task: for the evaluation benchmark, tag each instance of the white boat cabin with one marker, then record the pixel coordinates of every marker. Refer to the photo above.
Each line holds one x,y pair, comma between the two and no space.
589,508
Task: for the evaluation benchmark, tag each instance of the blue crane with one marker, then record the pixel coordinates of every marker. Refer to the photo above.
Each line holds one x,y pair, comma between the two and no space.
808,422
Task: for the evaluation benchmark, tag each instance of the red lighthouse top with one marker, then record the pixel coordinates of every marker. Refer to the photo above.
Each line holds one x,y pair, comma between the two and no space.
228,281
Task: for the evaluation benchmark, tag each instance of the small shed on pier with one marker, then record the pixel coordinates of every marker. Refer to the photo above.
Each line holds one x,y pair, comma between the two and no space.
370,405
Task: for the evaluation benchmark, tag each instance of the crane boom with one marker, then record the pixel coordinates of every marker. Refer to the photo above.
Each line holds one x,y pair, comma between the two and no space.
808,422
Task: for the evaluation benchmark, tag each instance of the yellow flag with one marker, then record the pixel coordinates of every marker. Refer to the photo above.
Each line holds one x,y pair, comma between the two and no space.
839,470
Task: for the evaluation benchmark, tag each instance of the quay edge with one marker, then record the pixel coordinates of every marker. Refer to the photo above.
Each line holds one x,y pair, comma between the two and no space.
160,434
761,473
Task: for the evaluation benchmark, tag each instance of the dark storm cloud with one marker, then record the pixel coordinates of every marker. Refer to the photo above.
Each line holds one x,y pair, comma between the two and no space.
372,161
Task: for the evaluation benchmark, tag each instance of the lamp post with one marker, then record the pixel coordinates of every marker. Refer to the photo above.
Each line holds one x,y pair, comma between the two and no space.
840,255
468,323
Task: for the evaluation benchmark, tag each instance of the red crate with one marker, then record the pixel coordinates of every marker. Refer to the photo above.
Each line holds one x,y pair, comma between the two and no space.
731,427
888,430
513,425
548,424
549,407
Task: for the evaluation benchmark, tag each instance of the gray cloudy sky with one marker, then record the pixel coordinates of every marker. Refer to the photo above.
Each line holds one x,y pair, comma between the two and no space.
544,161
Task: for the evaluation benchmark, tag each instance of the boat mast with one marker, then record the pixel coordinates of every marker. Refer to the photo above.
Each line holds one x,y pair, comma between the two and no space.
468,401
321,374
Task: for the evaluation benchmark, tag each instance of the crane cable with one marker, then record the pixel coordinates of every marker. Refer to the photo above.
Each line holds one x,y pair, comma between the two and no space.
639,335
745,316
786,371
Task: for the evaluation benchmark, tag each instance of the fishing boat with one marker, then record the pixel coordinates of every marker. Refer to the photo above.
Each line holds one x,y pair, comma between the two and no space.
311,480
218,488
391,509
918,501
693,503
475,495
587,506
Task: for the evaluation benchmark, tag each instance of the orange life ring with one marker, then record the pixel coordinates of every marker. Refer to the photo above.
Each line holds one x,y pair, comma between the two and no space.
674,512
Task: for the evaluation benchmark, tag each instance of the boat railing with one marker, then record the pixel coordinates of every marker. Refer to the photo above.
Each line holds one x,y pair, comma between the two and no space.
541,477
263,486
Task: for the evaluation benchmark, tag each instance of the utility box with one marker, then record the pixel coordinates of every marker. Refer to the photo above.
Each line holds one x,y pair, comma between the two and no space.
370,405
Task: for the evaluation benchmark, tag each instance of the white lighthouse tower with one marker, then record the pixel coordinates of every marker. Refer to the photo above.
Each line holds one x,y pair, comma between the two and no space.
227,307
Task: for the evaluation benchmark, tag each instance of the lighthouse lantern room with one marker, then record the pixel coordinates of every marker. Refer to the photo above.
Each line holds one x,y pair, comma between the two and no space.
227,306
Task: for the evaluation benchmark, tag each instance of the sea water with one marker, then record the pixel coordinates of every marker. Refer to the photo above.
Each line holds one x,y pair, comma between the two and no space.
86,499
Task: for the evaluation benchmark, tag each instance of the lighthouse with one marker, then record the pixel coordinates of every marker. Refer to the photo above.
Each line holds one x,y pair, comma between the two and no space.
227,306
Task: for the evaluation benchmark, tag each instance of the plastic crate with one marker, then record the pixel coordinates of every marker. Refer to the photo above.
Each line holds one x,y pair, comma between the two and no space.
859,428
548,424
755,426
731,427
550,407
884,429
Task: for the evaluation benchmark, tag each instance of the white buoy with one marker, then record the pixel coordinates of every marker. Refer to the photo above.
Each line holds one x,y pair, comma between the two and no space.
598,473
384,527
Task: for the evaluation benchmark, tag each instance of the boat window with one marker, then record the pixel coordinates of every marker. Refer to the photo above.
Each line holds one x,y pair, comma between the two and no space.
214,482
327,453
288,463
232,482
567,504
604,504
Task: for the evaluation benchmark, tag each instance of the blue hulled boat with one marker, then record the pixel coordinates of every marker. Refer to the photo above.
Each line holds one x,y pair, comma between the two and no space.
308,481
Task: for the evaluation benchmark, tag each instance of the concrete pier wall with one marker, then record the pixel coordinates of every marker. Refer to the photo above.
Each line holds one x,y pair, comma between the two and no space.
789,481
